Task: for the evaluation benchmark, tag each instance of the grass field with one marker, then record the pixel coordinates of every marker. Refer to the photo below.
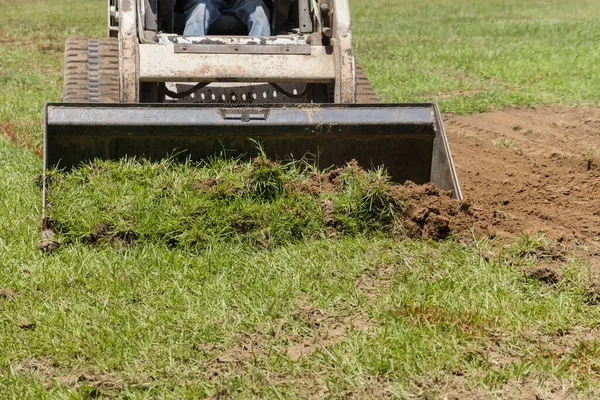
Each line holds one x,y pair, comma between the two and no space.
363,315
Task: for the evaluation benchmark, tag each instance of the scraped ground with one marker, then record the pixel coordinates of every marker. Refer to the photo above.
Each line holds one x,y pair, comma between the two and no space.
533,170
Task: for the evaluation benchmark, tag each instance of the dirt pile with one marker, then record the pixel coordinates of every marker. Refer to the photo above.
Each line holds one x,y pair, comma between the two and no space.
426,212
432,213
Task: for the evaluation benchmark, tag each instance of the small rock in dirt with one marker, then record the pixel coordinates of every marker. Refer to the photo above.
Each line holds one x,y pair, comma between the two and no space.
8,293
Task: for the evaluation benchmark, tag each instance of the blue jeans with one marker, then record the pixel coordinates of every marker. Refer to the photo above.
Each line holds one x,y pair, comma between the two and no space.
199,14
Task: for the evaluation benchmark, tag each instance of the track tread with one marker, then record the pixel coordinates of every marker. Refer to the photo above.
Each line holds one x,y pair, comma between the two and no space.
91,71
364,89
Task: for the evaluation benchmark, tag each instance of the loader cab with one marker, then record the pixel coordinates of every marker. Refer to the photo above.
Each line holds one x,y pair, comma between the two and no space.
307,59
168,17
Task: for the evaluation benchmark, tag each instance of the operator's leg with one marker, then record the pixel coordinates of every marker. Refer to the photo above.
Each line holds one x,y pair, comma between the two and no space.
255,14
199,14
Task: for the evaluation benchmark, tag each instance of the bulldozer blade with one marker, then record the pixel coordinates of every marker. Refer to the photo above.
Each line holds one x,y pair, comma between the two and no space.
408,139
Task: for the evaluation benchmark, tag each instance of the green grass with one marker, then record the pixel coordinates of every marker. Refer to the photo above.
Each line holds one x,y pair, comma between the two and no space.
475,56
191,205
31,54
362,315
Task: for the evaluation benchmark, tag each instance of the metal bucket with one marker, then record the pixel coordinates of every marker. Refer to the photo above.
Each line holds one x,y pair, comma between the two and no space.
408,139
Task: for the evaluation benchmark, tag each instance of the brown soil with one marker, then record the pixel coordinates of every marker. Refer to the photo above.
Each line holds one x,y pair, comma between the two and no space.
546,273
327,182
432,213
51,374
205,184
532,170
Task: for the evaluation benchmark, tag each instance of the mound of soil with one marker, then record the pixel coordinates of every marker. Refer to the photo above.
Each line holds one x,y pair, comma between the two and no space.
432,213
532,170
429,213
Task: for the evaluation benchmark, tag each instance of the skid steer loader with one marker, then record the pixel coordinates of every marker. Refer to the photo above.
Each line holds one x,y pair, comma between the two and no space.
148,90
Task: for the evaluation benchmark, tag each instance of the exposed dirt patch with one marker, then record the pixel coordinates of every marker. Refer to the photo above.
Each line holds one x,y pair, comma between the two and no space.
50,374
531,389
532,170
451,387
322,182
547,254
105,233
565,341
376,280
319,330
8,293
458,387
325,329
546,273
41,367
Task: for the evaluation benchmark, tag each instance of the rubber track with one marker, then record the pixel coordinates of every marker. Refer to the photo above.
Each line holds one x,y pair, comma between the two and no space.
91,71
364,89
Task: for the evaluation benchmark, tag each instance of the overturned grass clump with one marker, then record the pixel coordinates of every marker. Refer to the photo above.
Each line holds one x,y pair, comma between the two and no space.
260,202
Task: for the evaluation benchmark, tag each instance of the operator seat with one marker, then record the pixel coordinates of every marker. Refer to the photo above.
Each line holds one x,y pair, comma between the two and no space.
230,25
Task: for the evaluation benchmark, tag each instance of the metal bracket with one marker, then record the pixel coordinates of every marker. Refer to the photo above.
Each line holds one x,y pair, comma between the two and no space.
243,49
304,16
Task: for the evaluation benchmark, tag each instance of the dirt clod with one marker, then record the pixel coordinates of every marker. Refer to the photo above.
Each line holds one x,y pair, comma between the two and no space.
48,246
205,184
547,273
332,225
27,325
432,213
